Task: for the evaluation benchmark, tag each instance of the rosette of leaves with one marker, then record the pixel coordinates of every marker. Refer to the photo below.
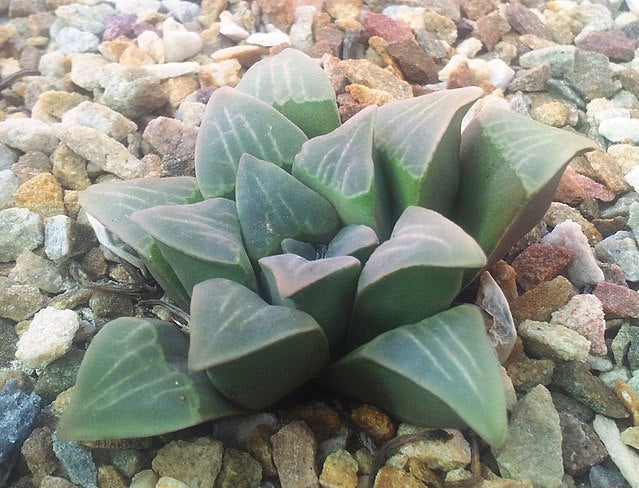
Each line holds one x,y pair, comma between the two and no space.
305,250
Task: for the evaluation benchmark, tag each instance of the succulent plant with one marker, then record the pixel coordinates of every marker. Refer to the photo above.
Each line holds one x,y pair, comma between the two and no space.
306,250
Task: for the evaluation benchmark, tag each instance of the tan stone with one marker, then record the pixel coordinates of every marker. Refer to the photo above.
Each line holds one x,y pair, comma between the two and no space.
70,169
375,422
177,89
110,477
42,194
56,103
222,73
390,477
364,95
339,471
134,57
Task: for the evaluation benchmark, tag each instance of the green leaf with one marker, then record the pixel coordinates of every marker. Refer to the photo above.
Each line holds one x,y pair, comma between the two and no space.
340,167
254,353
273,205
200,241
511,166
235,123
324,289
304,249
418,140
440,372
416,273
358,241
134,382
295,85
112,204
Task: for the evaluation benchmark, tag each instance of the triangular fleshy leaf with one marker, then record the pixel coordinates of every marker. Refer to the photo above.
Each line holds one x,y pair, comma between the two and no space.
254,353
358,241
413,275
340,167
440,372
304,249
418,141
200,241
134,382
272,205
324,289
235,123
295,85
112,204
510,169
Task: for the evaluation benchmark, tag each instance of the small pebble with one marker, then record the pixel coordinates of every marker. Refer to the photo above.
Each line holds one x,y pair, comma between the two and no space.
102,118
584,314
553,341
581,447
48,337
28,135
626,460
77,462
195,462
539,302
618,301
294,451
20,230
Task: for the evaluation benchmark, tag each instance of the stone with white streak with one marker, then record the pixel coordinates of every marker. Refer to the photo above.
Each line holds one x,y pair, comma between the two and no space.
583,269
626,460
48,337
105,152
165,71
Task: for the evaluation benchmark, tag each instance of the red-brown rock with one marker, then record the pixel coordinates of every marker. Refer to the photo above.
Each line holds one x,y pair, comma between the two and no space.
388,29
569,190
491,28
525,21
613,43
618,301
417,66
280,13
539,263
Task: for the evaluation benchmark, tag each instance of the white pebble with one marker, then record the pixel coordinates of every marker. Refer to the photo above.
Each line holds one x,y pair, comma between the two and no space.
230,29
151,44
583,269
633,178
172,70
618,129
469,47
626,460
181,45
48,337
138,7
58,237
268,39
500,73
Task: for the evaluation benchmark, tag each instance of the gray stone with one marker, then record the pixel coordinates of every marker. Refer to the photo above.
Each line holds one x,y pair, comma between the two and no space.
239,470
294,451
591,75
8,341
181,10
102,118
626,460
621,207
620,248
301,33
581,447
196,462
8,186
175,141
28,135
31,269
59,375
627,339
105,152
18,414
20,230
71,41
532,450
617,373
553,341
77,462
8,156
132,92
191,113
88,18
602,477
560,58
633,219
575,379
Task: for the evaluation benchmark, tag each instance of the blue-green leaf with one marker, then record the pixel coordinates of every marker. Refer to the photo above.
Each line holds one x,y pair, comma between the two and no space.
235,123
200,241
440,372
272,205
295,85
254,353
134,382
418,140
340,167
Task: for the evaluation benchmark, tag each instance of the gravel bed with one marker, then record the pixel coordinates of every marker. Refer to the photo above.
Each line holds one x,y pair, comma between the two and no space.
94,90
